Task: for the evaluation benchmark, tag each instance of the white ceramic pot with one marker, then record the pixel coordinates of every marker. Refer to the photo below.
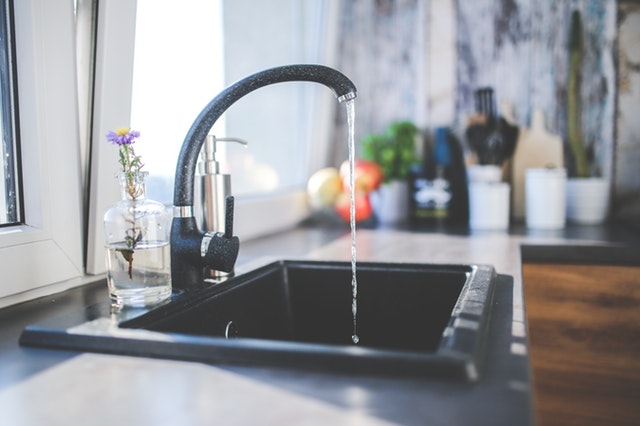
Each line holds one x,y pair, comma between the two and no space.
390,202
587,200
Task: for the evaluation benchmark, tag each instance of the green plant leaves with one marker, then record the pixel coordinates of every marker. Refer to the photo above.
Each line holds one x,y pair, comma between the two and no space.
394,151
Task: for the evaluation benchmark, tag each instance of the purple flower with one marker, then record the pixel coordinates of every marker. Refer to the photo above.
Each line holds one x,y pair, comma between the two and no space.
123,136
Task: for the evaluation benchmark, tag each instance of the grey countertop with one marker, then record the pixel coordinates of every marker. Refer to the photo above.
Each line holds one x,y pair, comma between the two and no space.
41,386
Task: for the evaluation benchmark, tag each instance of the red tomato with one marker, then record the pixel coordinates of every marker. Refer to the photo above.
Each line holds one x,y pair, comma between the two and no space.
367,174
362,205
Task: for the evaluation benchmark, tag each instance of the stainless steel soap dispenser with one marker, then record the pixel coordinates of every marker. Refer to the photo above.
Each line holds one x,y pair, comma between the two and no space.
211,191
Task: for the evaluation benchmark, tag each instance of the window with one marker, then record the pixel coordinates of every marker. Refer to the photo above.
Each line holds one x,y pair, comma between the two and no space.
287,126
42,251
175,74
45,250
10,212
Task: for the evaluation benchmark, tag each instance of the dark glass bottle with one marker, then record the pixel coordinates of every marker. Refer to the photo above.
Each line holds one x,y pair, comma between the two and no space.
458,215
438,188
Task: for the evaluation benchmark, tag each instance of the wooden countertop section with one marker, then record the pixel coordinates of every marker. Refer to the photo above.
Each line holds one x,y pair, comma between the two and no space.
584,337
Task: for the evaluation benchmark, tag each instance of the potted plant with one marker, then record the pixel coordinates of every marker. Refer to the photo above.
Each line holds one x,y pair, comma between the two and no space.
395,152
587,196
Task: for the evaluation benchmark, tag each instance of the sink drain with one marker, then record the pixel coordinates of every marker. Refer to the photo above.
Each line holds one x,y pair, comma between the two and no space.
231,330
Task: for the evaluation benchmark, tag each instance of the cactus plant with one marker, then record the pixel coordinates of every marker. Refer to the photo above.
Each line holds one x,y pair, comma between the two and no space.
574,131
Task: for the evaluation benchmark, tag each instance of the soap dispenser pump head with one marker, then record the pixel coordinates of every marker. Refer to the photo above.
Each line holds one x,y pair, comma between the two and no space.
210,164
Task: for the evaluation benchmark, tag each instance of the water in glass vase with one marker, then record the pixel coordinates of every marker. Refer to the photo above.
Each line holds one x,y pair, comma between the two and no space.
139,277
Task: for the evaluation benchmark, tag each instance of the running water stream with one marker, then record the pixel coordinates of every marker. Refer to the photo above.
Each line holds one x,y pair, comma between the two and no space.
350,106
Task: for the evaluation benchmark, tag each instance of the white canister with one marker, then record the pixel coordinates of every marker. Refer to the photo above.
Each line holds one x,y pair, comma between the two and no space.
545,198
489,206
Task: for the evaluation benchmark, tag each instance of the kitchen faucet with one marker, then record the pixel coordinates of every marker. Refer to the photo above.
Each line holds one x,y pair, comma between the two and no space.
191,249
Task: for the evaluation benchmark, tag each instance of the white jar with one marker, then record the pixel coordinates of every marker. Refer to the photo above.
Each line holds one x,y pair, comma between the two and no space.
489,206
545,198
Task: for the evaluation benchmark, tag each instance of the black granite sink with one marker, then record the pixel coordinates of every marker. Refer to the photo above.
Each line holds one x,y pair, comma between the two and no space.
423,320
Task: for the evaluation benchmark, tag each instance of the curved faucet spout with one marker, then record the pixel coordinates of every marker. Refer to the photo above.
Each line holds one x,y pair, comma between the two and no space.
191,249
343,88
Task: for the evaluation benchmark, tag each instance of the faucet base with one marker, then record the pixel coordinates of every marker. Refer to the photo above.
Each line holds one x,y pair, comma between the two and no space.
193,251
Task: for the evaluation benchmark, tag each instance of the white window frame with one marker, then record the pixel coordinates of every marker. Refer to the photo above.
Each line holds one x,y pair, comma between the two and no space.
111,109
44,255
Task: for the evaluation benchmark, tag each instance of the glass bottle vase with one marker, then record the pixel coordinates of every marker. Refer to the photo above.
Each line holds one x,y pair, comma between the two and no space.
137,246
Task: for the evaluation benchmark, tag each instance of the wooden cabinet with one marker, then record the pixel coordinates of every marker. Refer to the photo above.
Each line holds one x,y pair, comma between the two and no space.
584,331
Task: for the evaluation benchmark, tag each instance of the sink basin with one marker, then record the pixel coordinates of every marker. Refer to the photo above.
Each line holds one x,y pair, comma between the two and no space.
423,320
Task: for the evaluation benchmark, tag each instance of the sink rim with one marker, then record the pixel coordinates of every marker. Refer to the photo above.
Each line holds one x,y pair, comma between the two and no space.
459,354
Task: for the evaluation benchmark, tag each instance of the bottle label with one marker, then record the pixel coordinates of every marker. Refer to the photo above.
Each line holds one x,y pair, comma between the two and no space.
431,198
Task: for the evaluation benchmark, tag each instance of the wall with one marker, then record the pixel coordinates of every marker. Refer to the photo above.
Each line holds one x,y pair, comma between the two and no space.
520,47
422,60
627,150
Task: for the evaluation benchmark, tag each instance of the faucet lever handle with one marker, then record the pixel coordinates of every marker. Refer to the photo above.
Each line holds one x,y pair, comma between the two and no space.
228,220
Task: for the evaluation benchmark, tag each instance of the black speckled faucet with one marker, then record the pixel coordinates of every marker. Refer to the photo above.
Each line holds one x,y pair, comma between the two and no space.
191,249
